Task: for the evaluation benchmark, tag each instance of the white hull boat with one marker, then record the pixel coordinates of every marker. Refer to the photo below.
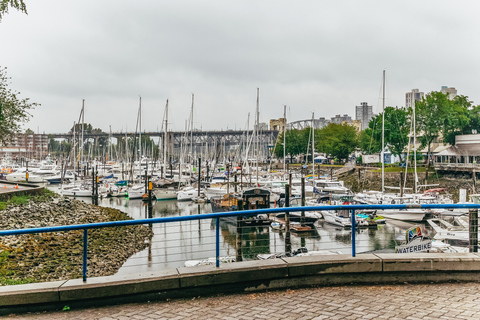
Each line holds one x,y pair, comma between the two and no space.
188,193
165,194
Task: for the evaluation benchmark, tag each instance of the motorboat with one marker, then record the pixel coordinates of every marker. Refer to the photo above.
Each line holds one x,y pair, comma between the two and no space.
446,231
136,192
77,192
329,186
188,193
166,194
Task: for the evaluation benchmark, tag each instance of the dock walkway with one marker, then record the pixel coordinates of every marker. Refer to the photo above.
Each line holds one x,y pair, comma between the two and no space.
407,301
309,287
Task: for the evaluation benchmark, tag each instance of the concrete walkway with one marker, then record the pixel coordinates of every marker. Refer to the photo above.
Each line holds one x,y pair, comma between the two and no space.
431,301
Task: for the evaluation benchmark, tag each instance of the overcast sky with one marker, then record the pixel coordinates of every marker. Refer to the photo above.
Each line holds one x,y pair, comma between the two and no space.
313,56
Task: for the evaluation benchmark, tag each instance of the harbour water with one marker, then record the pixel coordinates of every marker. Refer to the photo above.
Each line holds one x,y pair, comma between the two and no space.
175,243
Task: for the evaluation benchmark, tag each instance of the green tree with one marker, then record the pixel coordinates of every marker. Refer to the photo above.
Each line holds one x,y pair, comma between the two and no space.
296,142
459,119
16,4
397,127
431,113
337,140
13,110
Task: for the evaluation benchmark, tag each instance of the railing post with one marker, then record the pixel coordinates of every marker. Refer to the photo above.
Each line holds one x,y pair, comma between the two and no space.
239,232
288,241
353,230
85,241
217,240
473,232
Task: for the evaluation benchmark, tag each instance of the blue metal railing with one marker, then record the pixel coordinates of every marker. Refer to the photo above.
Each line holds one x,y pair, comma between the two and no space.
217,216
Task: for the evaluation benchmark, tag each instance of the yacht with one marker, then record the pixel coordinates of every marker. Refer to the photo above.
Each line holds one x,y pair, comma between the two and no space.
329,186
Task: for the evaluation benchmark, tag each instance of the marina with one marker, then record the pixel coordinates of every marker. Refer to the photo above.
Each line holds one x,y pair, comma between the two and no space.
175,244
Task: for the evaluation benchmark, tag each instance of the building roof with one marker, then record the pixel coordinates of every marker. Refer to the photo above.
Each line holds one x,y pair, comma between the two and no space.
470,149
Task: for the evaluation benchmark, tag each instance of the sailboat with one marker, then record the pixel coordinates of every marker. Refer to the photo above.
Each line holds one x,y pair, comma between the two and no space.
415,215
165,193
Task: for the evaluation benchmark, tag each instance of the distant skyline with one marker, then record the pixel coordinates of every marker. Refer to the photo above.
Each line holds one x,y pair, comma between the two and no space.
324,57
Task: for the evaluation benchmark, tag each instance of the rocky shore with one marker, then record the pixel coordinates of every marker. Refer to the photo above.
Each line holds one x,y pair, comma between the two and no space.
58,256
372,180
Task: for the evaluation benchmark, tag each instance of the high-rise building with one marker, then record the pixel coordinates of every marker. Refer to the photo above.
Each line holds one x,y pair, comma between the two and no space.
452,92
364,113
411,97
340,119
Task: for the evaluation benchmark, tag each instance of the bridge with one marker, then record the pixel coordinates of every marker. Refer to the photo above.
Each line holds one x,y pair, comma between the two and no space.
200,138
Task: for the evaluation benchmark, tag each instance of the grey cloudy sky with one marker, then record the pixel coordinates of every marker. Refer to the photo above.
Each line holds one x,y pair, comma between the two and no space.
313,56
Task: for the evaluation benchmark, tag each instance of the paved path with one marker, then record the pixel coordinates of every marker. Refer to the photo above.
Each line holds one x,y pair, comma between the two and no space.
436,301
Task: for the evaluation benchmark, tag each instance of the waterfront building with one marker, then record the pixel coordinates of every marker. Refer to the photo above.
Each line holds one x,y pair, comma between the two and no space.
364,113
463,156
26,145
412,97
451,91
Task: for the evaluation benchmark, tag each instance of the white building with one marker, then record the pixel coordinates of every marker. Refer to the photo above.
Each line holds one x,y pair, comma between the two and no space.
451,91
411,97
364,113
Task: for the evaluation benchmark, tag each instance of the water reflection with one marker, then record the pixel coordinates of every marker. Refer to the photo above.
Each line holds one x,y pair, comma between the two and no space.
175,243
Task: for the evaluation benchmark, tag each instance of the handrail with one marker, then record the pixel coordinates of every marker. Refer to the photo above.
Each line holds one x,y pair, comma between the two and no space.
219,215
233,213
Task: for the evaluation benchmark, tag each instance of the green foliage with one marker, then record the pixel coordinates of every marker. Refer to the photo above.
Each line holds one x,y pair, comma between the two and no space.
430,116
6,273
337,140
296,143
16,4
19,200
461,118
13,110
397,127
66,308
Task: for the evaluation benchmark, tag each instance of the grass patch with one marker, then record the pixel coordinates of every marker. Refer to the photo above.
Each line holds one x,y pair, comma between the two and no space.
21,200
6,274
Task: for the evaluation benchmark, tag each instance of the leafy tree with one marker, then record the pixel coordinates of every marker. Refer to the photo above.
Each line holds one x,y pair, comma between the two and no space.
87,128
397,127
16,4
474,123
29,131
459,119
337,140
431,115
296,143
13,110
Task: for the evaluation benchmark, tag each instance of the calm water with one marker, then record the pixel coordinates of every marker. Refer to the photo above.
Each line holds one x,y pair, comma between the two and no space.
175,243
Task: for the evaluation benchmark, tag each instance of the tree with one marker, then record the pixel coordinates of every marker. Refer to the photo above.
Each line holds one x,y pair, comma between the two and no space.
296,143
337,140
397,127
13,110
16,4
459,119
431,115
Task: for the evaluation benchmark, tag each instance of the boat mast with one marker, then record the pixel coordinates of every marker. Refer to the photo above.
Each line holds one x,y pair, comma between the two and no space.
191,132
165,142
140,131
313,145
257,122
383,135
83,123
284,138
415,149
